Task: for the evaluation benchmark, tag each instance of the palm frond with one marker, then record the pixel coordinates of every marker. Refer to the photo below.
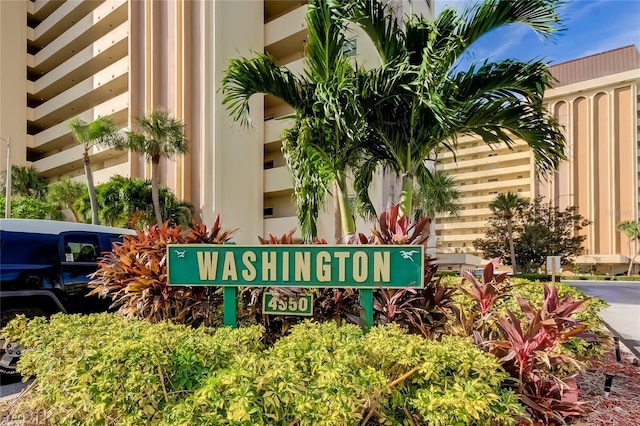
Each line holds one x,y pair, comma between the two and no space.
379,22
261,74
481,18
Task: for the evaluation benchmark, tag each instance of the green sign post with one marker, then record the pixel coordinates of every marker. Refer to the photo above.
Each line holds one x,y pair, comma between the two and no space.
307,266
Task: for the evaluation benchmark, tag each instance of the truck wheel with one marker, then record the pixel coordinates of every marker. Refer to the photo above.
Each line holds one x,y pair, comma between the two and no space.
10,352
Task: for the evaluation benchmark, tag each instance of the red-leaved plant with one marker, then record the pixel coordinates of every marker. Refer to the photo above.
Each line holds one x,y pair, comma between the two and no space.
488,290
134,277
528,351
397,230
422,310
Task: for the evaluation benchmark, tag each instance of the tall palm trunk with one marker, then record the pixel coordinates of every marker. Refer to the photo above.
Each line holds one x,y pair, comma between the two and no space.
406,196
346,215
512,248
155,195
337,215
93,199
633,259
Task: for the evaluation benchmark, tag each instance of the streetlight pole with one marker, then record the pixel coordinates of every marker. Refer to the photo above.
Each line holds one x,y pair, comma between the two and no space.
7,201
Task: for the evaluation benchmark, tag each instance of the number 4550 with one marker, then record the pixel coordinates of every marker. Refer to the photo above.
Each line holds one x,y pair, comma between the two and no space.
302,305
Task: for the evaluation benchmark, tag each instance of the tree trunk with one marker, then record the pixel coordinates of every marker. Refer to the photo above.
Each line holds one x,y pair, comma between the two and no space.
155,195
633,260
512,248
93,200
406,196
337,214
346,215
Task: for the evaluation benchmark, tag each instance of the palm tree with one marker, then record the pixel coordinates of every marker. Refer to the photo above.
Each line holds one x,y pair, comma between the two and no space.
506,206
65,193
632,229
322,145
26,182
423,96
101,131
438,193
159,136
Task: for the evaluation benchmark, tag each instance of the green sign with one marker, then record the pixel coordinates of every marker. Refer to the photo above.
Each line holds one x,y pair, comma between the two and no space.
340,266
287,305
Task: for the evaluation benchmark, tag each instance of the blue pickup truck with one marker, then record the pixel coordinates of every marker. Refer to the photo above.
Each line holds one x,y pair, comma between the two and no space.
43,270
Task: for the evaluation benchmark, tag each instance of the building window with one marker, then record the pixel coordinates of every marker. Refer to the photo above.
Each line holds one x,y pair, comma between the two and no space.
520,176
350,47
519,189
449,245
267,211
493,192
492,154
268,164
492,180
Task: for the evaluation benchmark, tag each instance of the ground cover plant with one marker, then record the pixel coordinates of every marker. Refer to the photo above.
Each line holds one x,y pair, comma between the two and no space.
106,369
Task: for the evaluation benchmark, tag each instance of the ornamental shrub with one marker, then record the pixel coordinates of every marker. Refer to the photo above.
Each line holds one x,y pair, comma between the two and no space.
106,369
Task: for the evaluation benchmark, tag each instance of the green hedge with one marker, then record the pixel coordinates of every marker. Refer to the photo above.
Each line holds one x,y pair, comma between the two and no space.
536,277
602,278
103,369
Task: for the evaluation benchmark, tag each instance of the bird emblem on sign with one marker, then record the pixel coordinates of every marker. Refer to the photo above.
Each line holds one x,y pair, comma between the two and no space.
408,254
180,254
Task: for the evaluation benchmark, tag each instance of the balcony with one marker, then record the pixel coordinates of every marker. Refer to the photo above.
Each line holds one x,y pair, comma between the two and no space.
296,67
273,129
277,180
59,135
70,159
460,238
57,22
457,226
85,63
463,165
522,169
286,34
90,28
102,86
40,9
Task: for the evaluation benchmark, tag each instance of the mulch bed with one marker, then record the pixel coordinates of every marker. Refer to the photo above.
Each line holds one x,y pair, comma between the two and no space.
622,406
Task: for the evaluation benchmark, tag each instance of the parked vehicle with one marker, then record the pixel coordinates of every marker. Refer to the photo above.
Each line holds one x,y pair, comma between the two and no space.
44,266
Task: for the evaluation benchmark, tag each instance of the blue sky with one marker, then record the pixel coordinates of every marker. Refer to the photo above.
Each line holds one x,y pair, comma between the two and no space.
592,26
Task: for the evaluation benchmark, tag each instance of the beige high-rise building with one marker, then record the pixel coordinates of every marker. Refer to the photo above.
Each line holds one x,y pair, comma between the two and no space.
87,58
596,101
123,58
